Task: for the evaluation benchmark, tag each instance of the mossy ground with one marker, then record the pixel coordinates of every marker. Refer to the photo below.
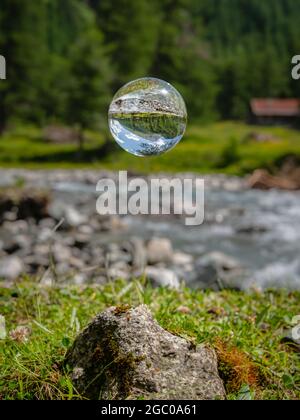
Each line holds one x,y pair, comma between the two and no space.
245,328
207,148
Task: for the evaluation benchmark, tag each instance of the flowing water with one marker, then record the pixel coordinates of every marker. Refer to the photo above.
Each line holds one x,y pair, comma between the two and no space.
261,229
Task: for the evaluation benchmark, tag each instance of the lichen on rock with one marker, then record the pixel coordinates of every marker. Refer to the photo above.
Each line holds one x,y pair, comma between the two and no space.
124,353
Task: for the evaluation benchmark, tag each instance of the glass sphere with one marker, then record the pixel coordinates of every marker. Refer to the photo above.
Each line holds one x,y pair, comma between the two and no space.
147,117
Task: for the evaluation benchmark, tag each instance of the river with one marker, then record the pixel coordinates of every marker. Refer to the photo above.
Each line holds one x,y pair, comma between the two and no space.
261,229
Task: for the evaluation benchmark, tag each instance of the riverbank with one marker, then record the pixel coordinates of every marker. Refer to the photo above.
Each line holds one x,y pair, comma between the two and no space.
248,238
224,147
247,330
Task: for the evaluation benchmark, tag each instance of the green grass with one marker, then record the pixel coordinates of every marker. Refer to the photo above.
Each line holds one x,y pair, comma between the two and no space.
252,322
202,150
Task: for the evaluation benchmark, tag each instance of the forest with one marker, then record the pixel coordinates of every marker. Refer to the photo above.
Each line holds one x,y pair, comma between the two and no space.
66,59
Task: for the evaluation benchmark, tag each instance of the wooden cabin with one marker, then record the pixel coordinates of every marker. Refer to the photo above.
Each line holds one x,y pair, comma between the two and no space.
275,111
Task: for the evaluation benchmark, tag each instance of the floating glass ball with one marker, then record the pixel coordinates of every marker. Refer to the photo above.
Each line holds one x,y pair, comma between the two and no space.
147,117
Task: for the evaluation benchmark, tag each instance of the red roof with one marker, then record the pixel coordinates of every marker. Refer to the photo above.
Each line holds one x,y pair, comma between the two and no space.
275,107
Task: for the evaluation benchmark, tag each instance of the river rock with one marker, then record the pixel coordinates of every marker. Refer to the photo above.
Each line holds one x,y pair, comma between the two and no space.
182,259
262,179
118,272
81,240
44,235
219,260
164,277
291,338
79,279
47,223
10,267
76,263
112,223
86,230
135,246
61,252
14,228
25,202
41,249
159,250
124,354
204,276
10,216
115,255
36,261
71,216
62,269
217,271
13,243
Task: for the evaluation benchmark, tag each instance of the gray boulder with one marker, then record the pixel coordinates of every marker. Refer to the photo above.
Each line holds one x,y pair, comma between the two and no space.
135,246
61,253
71,216
217,271
124,353
164,277
10,268
159,250
13,243
181,259
219,260
205,276
119,270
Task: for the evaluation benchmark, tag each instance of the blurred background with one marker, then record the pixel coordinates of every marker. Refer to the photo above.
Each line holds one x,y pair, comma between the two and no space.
66,60
231,61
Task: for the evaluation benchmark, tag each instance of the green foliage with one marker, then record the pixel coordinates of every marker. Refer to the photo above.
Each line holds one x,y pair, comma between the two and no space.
30,369
230,154
38,42
23,44
131,31
218,53
88,84
182,58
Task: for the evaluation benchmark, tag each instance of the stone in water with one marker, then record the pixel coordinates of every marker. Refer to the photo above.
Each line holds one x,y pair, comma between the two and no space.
147,117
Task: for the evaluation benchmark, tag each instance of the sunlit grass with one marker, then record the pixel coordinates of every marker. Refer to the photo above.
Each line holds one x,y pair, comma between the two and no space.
250,326
200,151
